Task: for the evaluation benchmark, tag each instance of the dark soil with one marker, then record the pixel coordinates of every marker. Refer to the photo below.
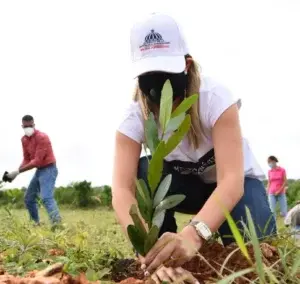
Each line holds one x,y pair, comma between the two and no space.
126,268
128,271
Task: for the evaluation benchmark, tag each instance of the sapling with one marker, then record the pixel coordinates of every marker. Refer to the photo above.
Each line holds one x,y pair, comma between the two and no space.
152,202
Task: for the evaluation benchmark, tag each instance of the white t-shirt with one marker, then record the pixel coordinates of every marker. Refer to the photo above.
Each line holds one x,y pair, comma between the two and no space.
214,100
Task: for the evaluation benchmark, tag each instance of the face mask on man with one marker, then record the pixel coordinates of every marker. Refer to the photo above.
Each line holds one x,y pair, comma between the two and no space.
151,85
28,131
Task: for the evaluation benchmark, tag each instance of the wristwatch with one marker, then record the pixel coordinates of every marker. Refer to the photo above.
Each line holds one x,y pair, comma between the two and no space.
202,229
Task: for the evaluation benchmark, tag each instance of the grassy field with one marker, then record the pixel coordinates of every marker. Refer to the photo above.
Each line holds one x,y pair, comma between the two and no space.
100,225
91,239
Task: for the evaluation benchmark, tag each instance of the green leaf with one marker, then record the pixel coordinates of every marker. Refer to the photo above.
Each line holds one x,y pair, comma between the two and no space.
296,265
151,239
185,105
166,104
158,218
282,254
136,239
168,203
137,221
236,234
177,136
235,275
25,258
162,190
256,247
143,190
12,251
175,122
144,200
272,278
103,272
91,275
151,133
156,167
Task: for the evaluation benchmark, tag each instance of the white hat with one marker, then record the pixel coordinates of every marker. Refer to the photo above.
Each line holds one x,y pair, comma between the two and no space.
157,44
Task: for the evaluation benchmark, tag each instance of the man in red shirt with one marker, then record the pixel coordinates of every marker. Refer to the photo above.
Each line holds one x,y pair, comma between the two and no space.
38,153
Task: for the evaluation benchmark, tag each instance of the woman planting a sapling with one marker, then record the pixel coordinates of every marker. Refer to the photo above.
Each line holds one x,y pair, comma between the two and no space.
200,164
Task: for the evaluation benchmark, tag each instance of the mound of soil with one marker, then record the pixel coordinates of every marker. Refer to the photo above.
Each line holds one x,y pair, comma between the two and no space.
207,267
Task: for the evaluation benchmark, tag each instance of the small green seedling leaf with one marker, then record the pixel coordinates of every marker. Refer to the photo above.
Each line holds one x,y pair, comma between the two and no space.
185,105
166,104
137,221
136,239
91,275
151,133
177,136
162,190
175,122
143,190
105,271
25,258
272,278
233,276
169,202
156,167
236,234
256,247
296,265
158,218
144,200
151,239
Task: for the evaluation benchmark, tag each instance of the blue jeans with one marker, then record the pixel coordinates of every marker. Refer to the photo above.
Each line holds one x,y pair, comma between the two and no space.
197,193
42,184
281,199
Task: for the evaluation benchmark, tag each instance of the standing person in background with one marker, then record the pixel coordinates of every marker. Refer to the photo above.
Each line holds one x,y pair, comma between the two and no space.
38,153
277,183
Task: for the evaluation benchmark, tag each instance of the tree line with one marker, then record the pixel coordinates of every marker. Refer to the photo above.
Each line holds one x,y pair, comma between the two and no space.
82,194
77,194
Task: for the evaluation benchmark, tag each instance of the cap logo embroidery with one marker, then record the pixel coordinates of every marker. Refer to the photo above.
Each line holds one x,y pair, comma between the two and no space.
154,40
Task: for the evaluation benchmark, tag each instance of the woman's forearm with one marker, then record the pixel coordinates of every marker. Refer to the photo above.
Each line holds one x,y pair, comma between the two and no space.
122,203
225,196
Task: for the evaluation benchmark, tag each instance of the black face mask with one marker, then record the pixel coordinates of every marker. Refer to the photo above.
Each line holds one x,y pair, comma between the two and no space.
151,85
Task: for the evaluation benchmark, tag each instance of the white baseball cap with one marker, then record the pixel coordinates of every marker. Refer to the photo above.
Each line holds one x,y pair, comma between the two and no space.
157,44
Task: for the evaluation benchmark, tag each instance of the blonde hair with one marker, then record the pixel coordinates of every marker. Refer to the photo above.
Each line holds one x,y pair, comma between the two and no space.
195,132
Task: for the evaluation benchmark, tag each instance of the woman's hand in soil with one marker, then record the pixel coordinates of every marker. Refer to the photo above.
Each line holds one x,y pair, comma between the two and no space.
173,249
173,275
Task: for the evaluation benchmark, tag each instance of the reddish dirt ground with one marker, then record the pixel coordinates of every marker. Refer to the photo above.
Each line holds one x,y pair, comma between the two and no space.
127,271
51,275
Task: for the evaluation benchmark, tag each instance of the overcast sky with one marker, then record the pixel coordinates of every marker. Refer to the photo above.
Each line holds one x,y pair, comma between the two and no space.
67,63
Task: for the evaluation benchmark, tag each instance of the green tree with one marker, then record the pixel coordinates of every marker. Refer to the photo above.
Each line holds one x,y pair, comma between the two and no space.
106,195
84,193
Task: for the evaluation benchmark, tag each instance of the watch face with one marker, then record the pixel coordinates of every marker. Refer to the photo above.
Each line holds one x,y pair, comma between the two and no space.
204,230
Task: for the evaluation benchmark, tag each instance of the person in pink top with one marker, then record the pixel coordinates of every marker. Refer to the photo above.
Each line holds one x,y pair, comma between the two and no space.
277,186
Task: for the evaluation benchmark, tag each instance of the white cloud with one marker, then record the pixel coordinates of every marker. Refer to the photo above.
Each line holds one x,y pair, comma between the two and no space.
68,64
